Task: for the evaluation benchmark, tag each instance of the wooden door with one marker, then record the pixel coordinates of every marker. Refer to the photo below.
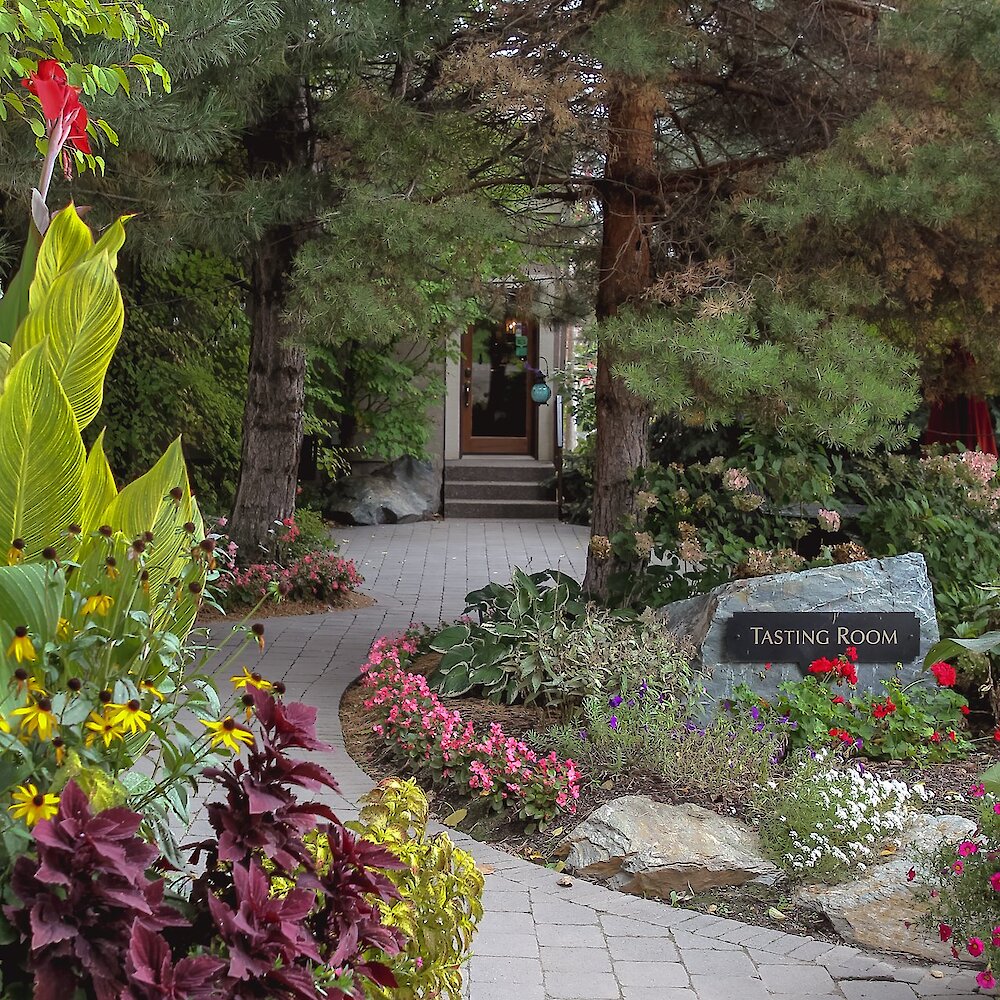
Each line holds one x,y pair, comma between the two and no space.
498,416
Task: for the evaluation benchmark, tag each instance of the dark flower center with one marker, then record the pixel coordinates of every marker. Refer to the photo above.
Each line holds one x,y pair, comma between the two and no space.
44,705
228,725
133,706
21,674
20,631
104,697
74,684
38,800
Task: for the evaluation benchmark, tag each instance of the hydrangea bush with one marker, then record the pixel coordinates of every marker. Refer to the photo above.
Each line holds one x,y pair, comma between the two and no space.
420,729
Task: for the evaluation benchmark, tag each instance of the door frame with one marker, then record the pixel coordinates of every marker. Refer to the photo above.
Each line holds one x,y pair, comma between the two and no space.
470,445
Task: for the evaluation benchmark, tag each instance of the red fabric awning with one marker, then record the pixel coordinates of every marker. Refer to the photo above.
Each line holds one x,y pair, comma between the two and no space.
965,420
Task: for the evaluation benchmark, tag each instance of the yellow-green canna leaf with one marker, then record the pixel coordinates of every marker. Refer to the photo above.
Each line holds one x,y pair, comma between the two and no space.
4,361
149,504
112,240
99,489
82,317
67,242
30,595
41,458
14,304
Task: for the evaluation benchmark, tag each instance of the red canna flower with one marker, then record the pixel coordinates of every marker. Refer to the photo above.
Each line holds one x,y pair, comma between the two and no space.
60,101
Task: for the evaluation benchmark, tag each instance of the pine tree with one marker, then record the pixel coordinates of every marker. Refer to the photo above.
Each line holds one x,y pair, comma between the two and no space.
294,139
678,109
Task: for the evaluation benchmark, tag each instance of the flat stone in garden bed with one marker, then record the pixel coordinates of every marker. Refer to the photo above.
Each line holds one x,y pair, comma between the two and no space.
652,849
897,584
883,909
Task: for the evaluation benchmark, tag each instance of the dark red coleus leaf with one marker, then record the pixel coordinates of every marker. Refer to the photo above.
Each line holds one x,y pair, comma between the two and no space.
80,898
152,974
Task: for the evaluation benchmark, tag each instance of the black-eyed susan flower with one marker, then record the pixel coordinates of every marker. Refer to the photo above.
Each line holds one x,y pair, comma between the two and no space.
27,684
37,718
15,553
144,580
31,805
101,727
151,688
64,630
60,748
74,685
248,679
21,646
49,553
99,604
225,732
111,570
247,701
129,716
258,631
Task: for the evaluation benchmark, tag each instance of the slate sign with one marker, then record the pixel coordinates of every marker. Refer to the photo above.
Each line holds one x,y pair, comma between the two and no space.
790,637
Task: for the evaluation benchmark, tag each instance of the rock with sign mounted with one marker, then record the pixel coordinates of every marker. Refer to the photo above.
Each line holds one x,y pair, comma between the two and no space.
767,630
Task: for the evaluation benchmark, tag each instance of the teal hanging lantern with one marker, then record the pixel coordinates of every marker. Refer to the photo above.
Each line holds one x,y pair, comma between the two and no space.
541,391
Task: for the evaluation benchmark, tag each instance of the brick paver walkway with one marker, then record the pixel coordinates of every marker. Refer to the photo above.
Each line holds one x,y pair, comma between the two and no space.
539,940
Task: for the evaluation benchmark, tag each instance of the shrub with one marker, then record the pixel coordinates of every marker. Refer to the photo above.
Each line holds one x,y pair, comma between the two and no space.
643,728
537,642
500,654
263,918
830,818
440,891
965,897
321,576
505,773
915,721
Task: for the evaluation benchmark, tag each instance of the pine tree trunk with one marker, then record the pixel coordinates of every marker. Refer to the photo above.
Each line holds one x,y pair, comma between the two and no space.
272,418
629,195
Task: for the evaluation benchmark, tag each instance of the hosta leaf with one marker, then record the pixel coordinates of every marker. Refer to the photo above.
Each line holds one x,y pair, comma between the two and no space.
447,638
82,316
99,488
42,457
456,682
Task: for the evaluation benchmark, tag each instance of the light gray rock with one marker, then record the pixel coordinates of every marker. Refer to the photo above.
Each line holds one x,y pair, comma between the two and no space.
899,583
882,909
397,493
650,848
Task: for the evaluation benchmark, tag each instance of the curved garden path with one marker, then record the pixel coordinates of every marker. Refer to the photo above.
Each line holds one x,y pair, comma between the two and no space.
540,941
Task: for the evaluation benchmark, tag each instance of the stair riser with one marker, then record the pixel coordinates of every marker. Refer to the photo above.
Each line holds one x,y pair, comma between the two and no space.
462,473
490,511
498,491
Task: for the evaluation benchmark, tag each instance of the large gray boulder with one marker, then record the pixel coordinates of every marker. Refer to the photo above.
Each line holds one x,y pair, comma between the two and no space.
896,584
882,910
395,493
651,848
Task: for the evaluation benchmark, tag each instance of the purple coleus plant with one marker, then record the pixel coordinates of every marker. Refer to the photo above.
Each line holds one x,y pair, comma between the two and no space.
153,975
332,916
81,900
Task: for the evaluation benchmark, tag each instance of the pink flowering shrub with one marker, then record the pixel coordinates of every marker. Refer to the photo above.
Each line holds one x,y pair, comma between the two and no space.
965,888
433,738
320,575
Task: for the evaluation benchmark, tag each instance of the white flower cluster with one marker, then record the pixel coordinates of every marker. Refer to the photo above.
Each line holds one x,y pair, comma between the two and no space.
841,816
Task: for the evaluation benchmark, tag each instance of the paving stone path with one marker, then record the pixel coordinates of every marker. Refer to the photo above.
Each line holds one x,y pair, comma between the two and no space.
540,941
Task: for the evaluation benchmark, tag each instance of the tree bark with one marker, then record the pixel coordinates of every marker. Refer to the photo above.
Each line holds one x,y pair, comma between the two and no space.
629,193
272,418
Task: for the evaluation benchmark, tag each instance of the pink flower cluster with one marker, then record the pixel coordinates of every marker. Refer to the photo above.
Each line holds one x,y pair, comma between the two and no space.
322,575
431,736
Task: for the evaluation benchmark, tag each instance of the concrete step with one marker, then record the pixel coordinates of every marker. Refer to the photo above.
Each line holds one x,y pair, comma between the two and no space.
493,471
465,490
488,510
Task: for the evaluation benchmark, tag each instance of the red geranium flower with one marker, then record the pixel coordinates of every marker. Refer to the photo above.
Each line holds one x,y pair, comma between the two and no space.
945,931
945,673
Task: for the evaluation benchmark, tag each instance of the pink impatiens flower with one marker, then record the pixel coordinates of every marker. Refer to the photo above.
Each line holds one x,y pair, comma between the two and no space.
986,980
967,848
975,947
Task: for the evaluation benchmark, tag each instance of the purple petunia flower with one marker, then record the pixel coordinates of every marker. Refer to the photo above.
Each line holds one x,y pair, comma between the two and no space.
615,700
755,713
583,734
613,722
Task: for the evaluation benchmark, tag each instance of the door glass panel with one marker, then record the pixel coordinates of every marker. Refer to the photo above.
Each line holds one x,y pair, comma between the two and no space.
499,382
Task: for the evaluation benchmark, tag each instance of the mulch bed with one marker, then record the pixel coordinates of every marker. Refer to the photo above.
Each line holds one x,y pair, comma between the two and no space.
347,601
753,904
